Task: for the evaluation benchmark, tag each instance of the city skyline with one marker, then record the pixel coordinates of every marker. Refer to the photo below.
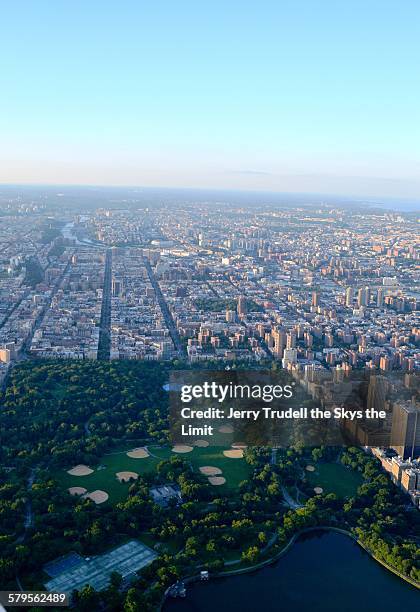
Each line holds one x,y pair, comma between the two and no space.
295,97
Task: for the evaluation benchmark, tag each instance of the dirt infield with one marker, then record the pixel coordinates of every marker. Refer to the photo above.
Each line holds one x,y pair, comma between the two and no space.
201,443
210,470
138,453
217,480
182,448
226,429
77,491
234,453
80,470
126,476
318,490
310,468
98,496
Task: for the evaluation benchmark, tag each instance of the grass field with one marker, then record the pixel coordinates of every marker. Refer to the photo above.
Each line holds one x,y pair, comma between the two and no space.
334,478
104,476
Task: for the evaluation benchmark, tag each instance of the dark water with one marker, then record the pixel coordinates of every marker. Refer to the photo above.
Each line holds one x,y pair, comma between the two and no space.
323,572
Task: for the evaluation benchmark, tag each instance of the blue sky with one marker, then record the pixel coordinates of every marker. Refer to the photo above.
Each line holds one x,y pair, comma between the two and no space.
299,95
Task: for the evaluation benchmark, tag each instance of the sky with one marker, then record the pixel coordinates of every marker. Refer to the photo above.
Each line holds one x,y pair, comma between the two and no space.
285,95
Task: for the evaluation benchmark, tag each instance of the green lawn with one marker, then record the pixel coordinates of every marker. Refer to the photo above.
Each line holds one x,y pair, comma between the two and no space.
234,470
334,478
104,476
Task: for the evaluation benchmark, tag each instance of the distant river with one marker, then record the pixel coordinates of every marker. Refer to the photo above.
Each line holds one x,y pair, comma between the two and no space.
324,571
67,231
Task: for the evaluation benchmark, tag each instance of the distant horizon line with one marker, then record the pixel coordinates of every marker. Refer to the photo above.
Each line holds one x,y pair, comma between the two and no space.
373,199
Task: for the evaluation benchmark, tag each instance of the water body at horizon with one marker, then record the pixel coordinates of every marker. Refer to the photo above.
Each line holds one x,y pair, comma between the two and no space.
322,572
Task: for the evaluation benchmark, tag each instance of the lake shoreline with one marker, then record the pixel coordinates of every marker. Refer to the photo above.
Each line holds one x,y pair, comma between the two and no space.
272,560
293,539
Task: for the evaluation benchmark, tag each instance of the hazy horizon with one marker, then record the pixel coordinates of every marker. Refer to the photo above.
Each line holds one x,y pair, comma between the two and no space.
145,194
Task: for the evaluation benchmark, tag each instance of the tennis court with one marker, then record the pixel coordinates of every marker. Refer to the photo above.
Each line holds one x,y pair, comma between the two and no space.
96,571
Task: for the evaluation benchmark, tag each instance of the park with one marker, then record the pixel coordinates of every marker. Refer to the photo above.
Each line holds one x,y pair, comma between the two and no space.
333,477
110,473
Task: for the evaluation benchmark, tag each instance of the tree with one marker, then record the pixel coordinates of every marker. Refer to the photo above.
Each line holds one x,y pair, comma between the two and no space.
251,555
191,547
134,601
87,599
115,580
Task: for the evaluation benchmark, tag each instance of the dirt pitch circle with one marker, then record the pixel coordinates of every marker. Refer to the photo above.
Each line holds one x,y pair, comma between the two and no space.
80,470
201,443
210,470
77,491
226,429
138,453
216,481
126,476
98,496
182,448
234,453
318,490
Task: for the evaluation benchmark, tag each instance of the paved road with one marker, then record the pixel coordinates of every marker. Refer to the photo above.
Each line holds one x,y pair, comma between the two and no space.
104,346
165,310
27,343
40,318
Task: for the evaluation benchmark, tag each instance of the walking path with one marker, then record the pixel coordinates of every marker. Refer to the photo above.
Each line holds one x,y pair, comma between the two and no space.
293,504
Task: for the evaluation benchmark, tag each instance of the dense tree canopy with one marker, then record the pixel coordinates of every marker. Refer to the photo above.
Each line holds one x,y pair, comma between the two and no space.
56,414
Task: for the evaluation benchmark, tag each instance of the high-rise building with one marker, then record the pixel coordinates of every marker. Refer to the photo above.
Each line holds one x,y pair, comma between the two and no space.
11,347
363,296
279,337
165,351
242,310
116,287
398,466
230,316
290,356
385,363
349,297
291,340
309,339
377,392
409,479
5,356
328,340
315,298
405,432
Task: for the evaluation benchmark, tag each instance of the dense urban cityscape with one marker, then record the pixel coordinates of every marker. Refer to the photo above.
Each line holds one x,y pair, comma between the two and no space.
320,293
311,286
210,306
